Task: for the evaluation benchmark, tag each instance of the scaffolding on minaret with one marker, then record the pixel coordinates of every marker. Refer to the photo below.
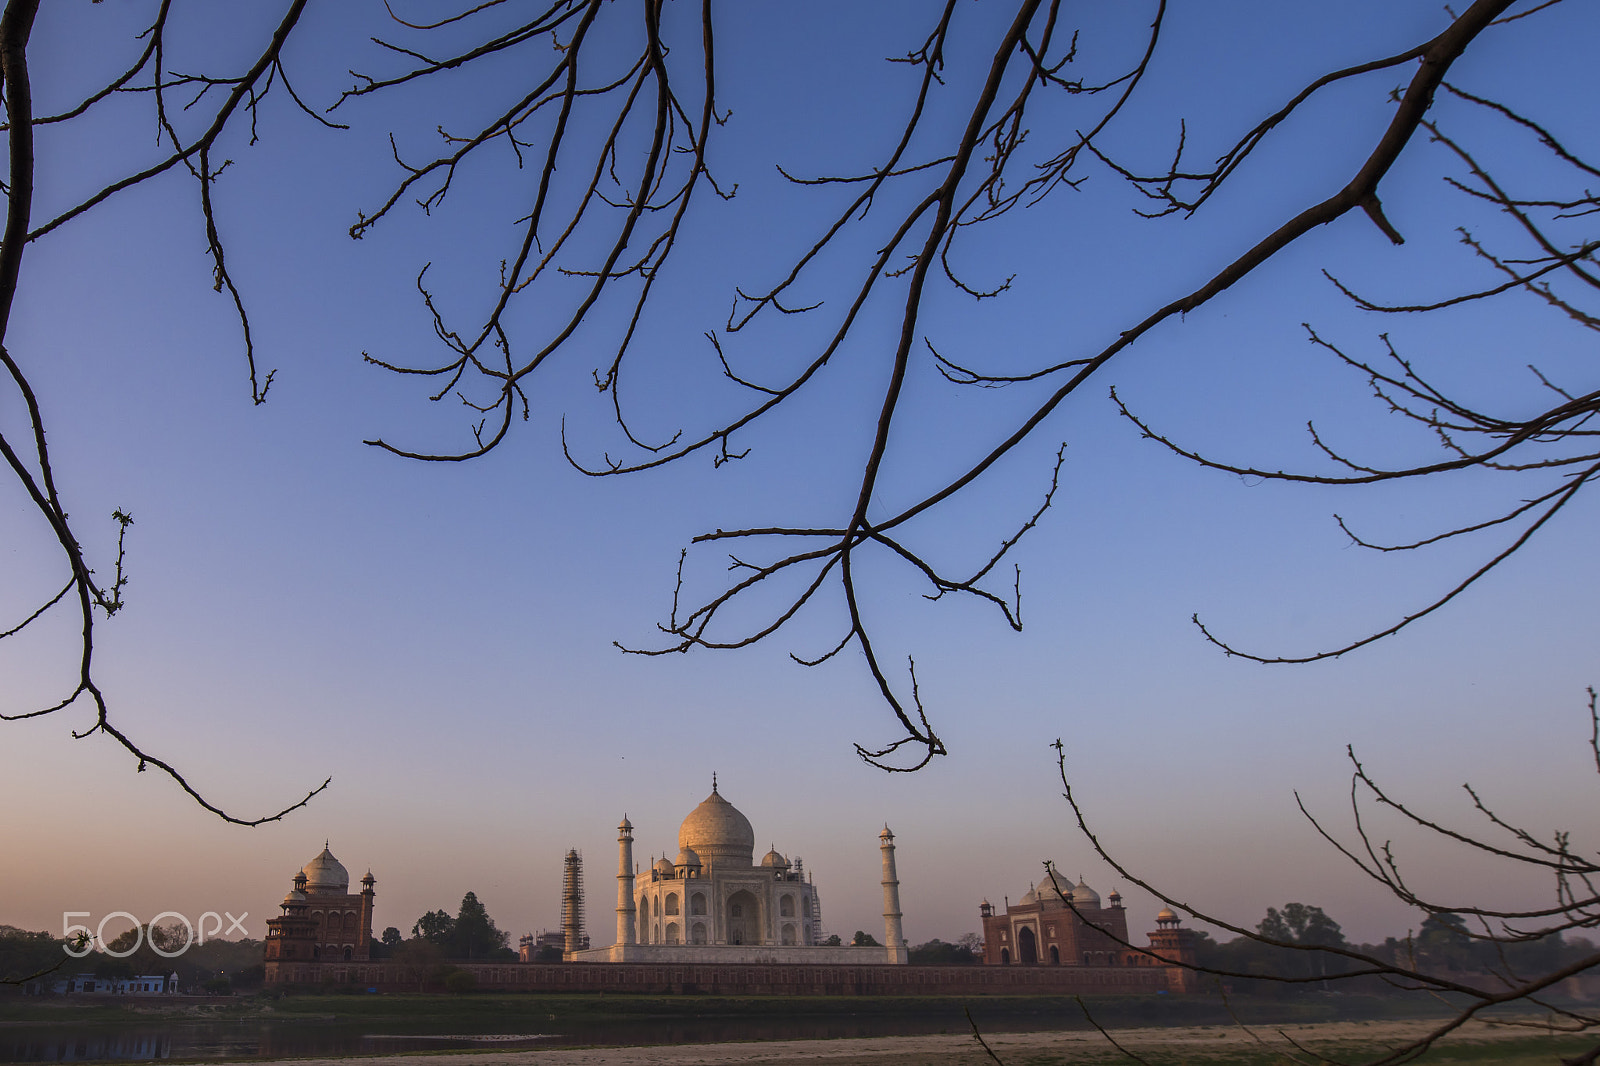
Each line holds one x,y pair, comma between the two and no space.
572,903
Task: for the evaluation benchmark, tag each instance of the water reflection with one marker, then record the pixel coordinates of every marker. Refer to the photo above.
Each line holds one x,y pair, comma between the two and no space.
49,1046
257,1038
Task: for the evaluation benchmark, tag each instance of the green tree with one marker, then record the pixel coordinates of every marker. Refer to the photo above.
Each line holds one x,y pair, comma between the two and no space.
473,934
113,968
1444,942
391,938
1301,924
938,953
25,955
435,927
144,959
239,962
863,940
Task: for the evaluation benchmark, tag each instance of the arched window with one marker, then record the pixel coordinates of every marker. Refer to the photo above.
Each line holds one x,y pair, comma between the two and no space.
697,903
672,932
697,933
789,938
786,907
672,903
744,919
347,954
1055,955
1005,956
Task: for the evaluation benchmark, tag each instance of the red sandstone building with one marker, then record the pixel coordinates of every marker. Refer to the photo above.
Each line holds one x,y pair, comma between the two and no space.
322,919
1043,930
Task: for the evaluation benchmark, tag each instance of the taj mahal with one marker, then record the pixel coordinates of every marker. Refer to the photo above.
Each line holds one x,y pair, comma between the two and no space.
715,920
715,903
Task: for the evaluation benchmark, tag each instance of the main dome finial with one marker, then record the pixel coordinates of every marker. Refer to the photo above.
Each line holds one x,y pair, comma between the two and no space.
713,782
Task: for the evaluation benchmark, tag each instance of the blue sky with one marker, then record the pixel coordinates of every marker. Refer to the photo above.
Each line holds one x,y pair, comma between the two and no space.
438,637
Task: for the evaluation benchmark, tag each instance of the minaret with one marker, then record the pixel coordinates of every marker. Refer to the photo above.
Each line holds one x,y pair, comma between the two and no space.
895,941
364,948
572,903
627,927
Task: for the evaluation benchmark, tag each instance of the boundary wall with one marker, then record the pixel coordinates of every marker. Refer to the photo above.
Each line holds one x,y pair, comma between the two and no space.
734,979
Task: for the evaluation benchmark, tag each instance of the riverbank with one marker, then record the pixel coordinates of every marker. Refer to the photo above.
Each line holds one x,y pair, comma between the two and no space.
508,1030
1219,1045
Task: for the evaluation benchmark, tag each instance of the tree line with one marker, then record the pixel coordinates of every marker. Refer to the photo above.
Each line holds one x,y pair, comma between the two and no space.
469,934
216,967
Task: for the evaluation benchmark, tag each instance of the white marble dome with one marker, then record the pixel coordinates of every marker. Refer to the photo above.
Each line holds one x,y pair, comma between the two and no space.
718,833
1053,888
326,873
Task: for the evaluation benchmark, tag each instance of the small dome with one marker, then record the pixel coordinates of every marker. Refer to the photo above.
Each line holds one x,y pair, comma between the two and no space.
1165,915
294,896
1030,897
326,873
773,860
1084,896
688,857
664,866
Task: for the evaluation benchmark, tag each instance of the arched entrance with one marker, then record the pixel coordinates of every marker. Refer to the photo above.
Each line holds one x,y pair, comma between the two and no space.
1027,947
744,919
1005,956
1055,955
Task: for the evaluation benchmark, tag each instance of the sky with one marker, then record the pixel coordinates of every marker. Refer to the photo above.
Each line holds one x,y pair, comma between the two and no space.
438,638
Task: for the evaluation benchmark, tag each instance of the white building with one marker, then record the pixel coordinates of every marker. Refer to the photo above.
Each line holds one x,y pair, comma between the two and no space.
142,985
716,904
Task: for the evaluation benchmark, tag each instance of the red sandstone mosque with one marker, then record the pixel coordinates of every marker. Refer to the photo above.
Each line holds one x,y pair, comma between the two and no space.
322,919
1058,923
